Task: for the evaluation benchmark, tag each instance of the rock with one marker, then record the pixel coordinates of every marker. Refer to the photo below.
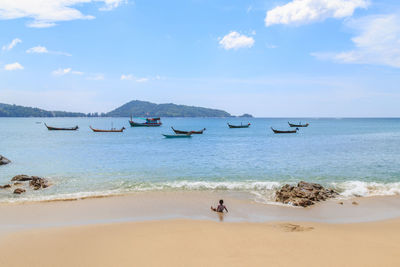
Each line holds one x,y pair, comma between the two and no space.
38,182
19,191
354,203
34,181
5,186
341,203
21,178
304,194
4,160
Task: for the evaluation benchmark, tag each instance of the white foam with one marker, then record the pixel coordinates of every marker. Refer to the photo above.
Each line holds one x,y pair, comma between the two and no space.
259,191
366,189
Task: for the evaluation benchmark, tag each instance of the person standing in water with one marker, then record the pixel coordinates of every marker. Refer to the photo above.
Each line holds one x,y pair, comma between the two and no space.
221,207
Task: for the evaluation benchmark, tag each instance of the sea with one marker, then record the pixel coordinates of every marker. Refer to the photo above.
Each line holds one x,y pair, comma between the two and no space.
357,157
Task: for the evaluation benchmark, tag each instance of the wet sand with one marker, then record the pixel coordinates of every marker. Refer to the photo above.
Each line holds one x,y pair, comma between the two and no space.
187,205
206,243
178,229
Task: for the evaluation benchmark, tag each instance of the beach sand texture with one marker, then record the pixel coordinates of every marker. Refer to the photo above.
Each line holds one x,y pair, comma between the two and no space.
206,243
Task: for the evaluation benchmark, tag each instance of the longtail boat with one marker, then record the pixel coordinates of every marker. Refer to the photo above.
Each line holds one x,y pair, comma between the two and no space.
298,125
239,126
284,132
177,135
50,128
112,130
150,122
188,132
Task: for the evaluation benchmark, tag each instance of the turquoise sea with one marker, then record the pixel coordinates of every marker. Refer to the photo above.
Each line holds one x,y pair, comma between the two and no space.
356,156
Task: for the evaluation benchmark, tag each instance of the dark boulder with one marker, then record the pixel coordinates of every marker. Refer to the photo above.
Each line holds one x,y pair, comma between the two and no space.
19,191
4,160
5,186
21,178
304,194
38,182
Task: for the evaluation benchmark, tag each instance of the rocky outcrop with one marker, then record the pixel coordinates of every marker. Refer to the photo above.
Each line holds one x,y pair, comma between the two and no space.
34,181
4,160
19,191
22,178
38,182
5,186
304,194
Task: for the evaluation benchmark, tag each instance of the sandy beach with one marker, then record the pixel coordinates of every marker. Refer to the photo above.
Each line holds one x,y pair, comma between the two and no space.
178,229
206,243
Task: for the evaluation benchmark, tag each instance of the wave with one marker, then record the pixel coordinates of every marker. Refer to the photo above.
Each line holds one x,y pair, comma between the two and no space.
259,191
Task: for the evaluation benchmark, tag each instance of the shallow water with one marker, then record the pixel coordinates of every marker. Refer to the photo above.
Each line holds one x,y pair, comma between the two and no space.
357,156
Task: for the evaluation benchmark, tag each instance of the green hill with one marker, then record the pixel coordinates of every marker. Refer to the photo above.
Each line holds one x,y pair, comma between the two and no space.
138,108
7,110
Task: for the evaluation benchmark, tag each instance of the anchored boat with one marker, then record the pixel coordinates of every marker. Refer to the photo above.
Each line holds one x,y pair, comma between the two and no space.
112,130
188,132
50,128
177,135
239,126
150,122
298,125
284,132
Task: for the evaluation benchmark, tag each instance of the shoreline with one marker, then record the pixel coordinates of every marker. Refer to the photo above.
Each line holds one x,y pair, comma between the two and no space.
206,243
181,230
159,206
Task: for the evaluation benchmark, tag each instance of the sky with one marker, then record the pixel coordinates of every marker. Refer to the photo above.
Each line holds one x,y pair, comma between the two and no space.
270,58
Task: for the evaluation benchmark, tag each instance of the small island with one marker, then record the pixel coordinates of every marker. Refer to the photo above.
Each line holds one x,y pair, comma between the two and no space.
246,115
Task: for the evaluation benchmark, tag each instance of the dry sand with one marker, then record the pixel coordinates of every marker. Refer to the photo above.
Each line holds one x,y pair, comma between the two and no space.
206,243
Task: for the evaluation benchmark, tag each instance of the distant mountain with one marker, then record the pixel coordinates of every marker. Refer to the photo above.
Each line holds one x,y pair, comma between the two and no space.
7,110
135,108
138,108
246,115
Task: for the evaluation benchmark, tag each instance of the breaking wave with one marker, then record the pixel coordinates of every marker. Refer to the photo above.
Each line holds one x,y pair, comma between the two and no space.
260,191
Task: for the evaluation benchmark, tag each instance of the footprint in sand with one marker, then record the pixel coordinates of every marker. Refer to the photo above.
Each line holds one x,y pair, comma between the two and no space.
289,227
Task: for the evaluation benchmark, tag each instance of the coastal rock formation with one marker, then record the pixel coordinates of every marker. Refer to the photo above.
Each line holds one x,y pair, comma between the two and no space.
19,191
304,194
4,160
5,186
34,181
38,182
21,178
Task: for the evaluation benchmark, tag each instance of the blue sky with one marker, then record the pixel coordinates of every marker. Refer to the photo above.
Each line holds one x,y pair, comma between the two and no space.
314,58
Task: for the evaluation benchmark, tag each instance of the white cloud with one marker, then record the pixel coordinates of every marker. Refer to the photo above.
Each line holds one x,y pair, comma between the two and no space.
12,44
130,77
235,40
142,80
378,42
272,46
305,11
61,72
13,66
37,50
43,50
45,13
95,77
127,77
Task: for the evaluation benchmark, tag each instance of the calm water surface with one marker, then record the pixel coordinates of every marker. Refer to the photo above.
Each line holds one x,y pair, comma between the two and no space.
357,156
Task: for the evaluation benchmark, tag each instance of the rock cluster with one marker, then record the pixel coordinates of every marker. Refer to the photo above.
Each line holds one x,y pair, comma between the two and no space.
19,191
34,181
304,194
38,182
4,160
